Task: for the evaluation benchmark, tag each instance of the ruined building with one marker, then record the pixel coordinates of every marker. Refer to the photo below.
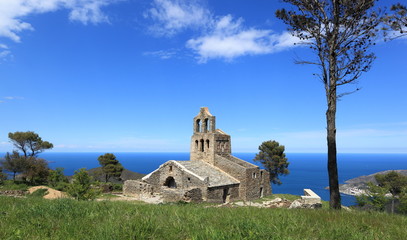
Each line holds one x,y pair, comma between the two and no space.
212,174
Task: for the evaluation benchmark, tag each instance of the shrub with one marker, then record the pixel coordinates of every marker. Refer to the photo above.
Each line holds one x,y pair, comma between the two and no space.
81,186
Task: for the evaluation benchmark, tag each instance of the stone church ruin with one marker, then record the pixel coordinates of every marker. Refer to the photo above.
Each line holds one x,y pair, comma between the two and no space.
212,174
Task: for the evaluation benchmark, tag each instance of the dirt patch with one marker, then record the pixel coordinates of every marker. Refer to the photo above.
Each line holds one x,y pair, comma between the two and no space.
52,193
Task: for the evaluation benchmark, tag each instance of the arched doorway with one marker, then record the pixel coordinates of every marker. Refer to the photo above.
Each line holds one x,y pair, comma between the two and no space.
170,182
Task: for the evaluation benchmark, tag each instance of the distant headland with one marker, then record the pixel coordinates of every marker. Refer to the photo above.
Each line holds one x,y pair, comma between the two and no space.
357,186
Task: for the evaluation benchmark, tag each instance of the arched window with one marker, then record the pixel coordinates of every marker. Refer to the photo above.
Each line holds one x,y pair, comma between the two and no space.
207,143
206,125
196,144
202,145
170,182
198,125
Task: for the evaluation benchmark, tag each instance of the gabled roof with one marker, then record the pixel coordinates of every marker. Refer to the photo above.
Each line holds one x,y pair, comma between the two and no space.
216,177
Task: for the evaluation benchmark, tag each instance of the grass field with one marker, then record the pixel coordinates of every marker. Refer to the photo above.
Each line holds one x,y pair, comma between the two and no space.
36,218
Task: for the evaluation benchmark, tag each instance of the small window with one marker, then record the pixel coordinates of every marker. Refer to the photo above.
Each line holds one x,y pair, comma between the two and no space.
189,179
170,168
207,143
261,174
254,175
202,145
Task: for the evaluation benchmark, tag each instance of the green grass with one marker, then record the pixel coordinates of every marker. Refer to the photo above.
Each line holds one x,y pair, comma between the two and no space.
36,218
11,185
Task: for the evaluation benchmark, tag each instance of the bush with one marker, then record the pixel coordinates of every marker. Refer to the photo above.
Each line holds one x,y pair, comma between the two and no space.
39,193
57,179
81,187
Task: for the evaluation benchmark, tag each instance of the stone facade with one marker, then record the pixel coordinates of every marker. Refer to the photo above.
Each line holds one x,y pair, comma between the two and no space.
211,175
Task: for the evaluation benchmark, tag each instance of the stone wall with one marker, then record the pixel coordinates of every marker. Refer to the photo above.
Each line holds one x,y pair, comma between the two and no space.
183,179
223,194
135,188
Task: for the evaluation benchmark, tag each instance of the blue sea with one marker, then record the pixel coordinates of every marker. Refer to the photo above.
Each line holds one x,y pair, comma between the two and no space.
306,170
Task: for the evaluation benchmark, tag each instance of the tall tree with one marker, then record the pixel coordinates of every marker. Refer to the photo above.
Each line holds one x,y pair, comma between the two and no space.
340,34
271,155
111,167
30,143
14,163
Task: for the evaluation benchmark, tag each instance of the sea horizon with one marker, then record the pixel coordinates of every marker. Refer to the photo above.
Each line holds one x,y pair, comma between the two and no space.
307,170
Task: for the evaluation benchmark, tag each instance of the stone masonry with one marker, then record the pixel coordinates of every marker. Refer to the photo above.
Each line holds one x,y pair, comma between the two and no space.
212,174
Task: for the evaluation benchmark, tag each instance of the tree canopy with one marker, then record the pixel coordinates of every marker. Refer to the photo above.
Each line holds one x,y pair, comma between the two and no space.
111,167
30,143
340,33
14,163
397,20
377,196
271,155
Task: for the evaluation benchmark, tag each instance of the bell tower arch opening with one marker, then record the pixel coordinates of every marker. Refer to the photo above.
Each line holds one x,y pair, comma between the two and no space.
198,125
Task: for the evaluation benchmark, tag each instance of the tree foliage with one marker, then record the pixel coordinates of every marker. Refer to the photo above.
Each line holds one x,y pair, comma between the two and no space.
15,163
37,170
29,143
81,186
397,21
340,34
3,176
111,167
390,187
271,155
57,179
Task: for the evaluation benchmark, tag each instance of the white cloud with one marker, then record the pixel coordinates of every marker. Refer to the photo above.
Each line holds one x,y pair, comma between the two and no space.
173,16
229,39
13,13
220,37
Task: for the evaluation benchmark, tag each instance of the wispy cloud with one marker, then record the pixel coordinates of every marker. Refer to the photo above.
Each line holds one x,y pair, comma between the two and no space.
124,144
14,12
163,54
11,98
14,98
219,37
173,16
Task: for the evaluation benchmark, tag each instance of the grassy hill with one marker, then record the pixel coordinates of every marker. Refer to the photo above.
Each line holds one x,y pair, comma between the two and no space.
68,219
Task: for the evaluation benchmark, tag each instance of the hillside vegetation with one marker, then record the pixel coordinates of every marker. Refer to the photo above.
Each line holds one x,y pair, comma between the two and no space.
36,218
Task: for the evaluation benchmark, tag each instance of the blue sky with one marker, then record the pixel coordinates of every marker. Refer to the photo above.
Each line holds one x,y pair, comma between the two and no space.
129,76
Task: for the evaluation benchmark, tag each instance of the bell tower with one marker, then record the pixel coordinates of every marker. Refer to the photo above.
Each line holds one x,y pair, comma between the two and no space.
202,140
206,140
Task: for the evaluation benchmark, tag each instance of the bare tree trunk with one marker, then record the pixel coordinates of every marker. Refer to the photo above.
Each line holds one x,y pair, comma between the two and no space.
335,198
